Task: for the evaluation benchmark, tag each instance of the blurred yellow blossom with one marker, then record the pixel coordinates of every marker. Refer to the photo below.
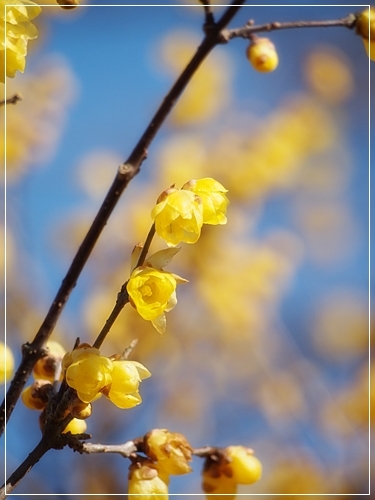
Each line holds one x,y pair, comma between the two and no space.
36,396
329,75
217,479
146,482
15,31
213,197
6,363
178,216
208,93
87,371
123,389
171,450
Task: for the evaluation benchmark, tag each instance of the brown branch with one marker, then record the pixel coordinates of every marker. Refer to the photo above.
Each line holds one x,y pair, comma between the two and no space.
126,172
11,100
248,30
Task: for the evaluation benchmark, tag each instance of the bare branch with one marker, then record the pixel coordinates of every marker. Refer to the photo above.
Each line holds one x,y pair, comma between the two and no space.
249,29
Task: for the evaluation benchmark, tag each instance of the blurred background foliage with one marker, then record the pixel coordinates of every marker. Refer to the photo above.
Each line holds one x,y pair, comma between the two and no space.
268,346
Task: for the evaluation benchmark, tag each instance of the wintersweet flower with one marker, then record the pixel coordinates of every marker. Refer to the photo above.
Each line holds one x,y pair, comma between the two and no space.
46,367
126,377
87,372
170,450
178,216
146,482
75,426
152,291
220,485
15,31
213,197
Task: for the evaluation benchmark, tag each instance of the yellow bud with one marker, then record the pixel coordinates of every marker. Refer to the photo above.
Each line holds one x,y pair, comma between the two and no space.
171,450
68,4
365,25
146,482
246,468
36,396
45,367
217,478
262,54
79,409
76,426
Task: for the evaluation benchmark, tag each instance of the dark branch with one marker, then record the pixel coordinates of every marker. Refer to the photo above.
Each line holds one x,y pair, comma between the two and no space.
11,100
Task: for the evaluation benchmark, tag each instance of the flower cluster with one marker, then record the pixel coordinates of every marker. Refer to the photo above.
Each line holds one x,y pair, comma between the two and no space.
168,453
178,216
180,213
235,465
15,31
91,375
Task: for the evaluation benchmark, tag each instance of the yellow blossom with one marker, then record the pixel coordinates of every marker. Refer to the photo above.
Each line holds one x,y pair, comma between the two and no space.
15,31
220,485
87,372
6,362
75,426
178,216
171,450
153,292
126,376
147,483
262,54
246,468
213,197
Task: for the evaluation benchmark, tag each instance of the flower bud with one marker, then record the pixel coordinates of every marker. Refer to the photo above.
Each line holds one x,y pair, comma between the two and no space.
170,450
146,482
36,396
79,409
68,4
365,27
46,367
246,468
6,362
262,54
217,478
75,426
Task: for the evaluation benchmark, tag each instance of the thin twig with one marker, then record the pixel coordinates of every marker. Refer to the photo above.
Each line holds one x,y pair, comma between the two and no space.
245,31
11,100
209,16
126,172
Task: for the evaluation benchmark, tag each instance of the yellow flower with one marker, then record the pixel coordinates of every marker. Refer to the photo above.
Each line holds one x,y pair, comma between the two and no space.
213,197
178,216
171,450
262,54
126,376
15,31
75,426
147,483
365,27
246,468
220,485
87,372
153,292
6,363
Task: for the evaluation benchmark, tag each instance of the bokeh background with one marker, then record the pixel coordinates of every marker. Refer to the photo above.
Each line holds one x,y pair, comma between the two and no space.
268,346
